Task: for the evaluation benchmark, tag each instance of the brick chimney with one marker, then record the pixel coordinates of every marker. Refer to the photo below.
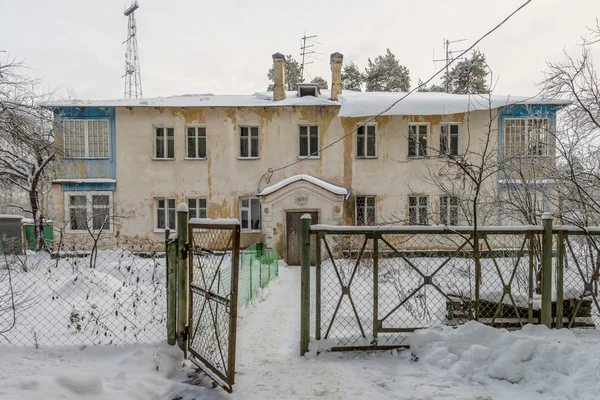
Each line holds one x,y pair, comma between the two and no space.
336,75
279,79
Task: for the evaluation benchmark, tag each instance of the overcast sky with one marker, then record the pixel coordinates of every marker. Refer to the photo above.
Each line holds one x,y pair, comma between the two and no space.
225,47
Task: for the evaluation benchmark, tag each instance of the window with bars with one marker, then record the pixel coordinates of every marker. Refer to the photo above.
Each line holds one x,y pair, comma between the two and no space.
309,140
449,139
250,213
165,214
249,142
448,210
366,141
164,148
418,136
85,138
526,136
197,208
417,210
365,210
196,142
86,208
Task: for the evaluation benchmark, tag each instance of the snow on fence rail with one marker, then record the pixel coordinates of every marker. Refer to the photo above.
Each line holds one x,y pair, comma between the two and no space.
375,284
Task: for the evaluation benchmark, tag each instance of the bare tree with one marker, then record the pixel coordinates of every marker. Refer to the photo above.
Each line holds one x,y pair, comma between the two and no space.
26,140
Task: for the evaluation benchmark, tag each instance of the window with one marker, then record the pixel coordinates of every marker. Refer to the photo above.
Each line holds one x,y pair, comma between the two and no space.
365,210
448,210
449,139
417,140
165,214
526,136
164,148
197,208
365,141
196,142
249,142
91,207
309,140
250,213
85,138
417,210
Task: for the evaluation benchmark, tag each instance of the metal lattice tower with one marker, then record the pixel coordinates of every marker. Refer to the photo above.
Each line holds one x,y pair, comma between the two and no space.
133,79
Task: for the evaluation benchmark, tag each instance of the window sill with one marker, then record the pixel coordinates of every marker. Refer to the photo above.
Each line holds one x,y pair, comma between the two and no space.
417,157
366,157
163,159
248,158
159,230
309,158
86,158
195,158
251,231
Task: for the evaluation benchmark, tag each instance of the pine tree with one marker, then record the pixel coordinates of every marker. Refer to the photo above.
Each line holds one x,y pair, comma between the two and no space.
432,88
352,78
386,74
468,76
292,74
321,82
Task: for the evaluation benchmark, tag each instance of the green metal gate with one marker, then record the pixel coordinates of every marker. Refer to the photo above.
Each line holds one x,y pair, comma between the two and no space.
213,286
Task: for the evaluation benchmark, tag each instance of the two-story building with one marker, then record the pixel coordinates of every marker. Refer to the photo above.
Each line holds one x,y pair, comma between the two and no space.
270,157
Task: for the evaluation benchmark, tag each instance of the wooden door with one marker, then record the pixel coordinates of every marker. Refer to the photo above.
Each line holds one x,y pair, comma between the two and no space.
293,236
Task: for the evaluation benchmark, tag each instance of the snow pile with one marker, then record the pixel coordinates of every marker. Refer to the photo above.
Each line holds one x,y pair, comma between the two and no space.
104,372
556,364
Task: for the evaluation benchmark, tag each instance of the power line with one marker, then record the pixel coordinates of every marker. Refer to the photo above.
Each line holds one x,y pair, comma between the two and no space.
267,176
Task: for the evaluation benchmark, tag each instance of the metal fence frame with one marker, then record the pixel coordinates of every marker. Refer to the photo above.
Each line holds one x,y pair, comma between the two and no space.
372,237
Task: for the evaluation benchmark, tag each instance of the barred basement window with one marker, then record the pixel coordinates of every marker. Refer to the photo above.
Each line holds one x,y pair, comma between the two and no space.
164,143
366,143
449,139
196,142
365,210
448,210
197,208
309,140
165,214
417,140
526,136
249,142
85,138
417,210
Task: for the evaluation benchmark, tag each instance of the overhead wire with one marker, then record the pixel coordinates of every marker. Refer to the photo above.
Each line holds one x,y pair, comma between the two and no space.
269,174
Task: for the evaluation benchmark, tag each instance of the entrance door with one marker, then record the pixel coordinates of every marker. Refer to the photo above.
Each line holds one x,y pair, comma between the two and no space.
293,236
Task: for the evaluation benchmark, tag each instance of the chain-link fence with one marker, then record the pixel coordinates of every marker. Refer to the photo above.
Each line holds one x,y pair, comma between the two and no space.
114,292
376,284
83,293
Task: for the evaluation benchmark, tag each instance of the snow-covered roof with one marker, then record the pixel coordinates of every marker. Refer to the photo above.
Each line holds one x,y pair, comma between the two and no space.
261,99
335,189
428,103
353,104
87,180
11,216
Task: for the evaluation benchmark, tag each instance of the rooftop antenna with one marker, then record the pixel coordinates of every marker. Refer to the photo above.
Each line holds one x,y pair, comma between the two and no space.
307,52
133,79
449,56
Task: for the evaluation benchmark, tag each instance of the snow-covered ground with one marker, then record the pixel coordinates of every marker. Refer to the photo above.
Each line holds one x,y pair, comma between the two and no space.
470,362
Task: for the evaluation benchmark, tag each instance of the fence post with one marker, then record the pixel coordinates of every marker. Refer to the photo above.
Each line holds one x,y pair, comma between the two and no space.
547,270
531,280
318,288
375,288
305,285
183,277
171,261
560,251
